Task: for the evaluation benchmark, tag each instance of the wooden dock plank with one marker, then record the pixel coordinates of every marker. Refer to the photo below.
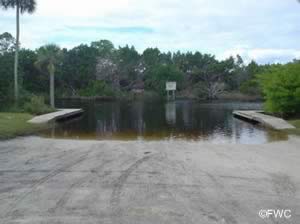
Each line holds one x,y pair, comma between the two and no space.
264,119
61,113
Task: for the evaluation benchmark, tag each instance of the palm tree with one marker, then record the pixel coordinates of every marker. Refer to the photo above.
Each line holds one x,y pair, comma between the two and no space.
21,6
49,56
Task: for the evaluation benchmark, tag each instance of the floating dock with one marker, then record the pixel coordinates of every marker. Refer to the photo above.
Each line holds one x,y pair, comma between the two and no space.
264,119
58,115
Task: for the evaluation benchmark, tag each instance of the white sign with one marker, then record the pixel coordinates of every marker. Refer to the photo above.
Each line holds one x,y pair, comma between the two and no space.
170,86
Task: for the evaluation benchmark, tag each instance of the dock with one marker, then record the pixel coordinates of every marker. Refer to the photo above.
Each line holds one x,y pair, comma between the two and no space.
264,119
57,115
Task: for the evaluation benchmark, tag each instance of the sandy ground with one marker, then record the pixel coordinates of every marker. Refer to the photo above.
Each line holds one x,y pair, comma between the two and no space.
71,182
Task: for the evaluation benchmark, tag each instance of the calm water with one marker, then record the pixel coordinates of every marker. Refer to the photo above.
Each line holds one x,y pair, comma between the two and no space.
157,120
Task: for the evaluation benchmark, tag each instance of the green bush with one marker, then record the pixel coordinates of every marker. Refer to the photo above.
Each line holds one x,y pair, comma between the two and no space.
281,89
158,76
251,87
37,106
97,88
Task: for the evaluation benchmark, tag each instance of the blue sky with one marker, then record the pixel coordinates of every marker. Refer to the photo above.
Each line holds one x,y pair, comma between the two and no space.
266,30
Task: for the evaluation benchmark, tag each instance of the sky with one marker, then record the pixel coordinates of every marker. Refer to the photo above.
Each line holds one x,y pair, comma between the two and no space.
267,31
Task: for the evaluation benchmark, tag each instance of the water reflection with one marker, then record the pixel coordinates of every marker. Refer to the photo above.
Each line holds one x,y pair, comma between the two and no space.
156,120
170,113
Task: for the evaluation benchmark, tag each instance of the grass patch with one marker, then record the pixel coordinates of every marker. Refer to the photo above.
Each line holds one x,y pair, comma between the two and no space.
15,124
295,131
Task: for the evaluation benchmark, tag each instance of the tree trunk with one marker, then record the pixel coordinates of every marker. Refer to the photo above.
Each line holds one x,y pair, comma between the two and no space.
51,71
16,87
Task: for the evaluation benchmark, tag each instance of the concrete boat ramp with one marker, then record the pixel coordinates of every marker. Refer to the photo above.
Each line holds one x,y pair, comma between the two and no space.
264,119
60,114
132,182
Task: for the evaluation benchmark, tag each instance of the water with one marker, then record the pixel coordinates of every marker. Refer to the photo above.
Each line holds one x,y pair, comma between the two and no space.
159,120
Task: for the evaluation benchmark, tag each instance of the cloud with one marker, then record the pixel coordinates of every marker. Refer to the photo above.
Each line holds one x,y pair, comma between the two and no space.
128,29
267,30
262,55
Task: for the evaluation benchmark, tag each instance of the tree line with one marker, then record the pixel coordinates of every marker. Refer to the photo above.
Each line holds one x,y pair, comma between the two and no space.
102,69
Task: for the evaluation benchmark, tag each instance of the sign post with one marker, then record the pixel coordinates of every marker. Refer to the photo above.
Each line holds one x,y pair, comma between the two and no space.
171,87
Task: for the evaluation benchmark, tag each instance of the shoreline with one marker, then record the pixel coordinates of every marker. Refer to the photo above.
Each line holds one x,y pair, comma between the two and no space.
113,99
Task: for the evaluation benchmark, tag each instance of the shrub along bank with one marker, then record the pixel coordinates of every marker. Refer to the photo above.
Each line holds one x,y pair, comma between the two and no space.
281,88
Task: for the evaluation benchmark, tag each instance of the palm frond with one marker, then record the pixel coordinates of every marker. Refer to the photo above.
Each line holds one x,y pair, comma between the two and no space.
28,6
48,54
25,5
6,4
